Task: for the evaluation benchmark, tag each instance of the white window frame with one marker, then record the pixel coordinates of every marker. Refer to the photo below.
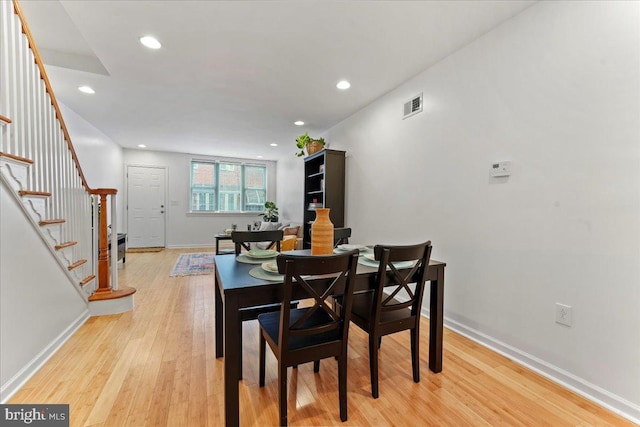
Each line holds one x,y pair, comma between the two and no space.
243,189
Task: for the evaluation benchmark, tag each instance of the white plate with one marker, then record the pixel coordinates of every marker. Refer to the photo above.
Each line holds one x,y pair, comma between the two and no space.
261,253
370,261
270,267
352,247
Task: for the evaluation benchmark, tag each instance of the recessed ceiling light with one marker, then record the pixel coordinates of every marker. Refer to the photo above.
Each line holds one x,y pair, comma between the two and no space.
259,157
150,42
273,144
343,84
298,123
142,146
86,89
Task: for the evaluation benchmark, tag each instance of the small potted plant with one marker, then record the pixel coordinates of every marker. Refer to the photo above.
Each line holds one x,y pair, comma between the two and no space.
270,213
312,145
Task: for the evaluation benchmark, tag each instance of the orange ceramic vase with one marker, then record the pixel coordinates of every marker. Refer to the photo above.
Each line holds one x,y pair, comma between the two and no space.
322,233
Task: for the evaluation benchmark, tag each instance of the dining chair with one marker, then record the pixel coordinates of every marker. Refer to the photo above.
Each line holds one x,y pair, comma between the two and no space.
341,236
242,239
393,306
309,334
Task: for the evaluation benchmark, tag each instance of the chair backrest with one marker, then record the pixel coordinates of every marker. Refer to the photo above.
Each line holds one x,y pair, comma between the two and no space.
341,236
389,278
340,271
243,238
288,243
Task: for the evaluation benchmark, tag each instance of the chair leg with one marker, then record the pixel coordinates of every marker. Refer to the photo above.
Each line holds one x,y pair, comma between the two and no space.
415,354
282,392
342,386
334,305
262,361
240,353
316,366
373,364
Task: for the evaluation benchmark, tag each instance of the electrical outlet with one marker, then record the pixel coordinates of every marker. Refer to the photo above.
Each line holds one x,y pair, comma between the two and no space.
564,314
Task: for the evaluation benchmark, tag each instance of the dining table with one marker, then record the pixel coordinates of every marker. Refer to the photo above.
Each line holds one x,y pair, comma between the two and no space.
236,289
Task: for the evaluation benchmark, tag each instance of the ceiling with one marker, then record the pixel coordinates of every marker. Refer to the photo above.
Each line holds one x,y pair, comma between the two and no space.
232,76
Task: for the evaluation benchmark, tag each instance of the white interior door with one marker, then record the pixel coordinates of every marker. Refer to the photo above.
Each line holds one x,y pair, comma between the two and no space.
145,207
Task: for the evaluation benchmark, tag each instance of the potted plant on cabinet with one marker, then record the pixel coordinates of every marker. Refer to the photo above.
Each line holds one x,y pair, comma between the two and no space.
312,145
270,213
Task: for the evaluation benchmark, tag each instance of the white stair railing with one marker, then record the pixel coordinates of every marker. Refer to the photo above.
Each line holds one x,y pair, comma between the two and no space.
33,129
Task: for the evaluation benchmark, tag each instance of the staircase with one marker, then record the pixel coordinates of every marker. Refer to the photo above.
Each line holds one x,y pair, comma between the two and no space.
39,167
16,174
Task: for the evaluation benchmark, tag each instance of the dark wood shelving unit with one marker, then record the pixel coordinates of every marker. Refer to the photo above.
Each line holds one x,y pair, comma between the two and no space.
324,185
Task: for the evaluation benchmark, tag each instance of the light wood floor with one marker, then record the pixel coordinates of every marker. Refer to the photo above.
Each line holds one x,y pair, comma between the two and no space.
155,366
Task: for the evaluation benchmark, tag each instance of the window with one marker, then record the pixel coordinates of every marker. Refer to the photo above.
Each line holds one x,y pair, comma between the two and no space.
255,188
228,187
203,186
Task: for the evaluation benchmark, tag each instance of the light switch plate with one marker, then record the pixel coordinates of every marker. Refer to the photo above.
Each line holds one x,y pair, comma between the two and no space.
501,169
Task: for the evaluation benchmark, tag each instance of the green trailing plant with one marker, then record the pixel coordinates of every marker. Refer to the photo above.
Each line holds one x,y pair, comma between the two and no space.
270,213
305,139
301,142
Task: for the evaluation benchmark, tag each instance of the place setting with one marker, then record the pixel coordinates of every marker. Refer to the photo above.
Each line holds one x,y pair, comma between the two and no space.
367,257
267,271
364,249
257,256
370,261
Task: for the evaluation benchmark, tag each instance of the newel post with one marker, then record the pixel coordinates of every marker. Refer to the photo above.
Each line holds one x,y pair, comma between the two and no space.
104,284
105,291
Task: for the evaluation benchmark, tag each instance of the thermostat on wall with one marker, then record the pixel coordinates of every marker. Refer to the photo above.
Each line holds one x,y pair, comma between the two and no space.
501,169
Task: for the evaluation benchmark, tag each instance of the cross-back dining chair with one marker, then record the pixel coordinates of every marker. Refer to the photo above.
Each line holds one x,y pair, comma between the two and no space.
242,239
381,313
341,236
309,334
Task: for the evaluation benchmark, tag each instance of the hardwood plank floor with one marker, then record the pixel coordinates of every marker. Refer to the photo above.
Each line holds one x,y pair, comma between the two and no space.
156,366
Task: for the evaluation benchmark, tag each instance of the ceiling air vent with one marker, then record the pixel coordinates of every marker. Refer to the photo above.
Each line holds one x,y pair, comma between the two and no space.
412,106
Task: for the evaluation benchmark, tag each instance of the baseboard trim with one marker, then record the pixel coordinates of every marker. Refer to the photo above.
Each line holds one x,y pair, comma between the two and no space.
18,380
596,394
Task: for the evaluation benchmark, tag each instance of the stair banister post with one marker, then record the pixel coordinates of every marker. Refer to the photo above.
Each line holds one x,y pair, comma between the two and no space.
104,284
114,244
95,238
103,258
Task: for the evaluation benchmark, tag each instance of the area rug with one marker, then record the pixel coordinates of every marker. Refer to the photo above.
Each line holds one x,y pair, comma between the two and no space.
141,250
193,264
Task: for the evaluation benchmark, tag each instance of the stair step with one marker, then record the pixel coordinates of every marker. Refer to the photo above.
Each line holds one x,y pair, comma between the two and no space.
34,193
76,264
111,294
16,158
87,279
65,245
51,221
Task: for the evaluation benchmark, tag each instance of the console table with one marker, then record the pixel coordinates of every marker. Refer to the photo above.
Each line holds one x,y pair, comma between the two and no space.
223,251
122,246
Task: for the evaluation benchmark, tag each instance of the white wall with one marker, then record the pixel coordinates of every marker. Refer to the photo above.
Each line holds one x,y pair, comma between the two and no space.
184,229
290,187
39,307
556,90
100,157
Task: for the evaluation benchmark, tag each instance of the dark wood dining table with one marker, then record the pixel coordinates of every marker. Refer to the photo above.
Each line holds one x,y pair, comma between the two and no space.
237,289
